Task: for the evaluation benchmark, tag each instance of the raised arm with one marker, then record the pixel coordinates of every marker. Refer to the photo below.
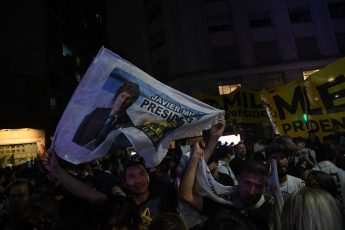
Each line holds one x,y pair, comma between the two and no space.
76,187
186,188
215,133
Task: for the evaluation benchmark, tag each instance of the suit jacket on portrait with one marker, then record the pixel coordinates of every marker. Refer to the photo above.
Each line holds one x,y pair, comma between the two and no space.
93,123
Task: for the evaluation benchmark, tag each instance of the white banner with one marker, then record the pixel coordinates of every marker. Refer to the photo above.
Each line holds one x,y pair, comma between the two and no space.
117,105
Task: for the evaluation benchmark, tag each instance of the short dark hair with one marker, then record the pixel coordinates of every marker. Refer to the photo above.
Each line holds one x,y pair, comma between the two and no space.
325,181
276,148
239,143
256,167
168,221
222,151
132,163
213,158
227,219
131,88
19,182
122,210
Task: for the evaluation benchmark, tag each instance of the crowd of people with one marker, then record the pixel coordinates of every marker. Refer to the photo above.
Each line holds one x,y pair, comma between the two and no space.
120,192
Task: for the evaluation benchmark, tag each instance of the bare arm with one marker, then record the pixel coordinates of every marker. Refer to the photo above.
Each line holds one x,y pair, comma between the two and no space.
186,188
215,133
76,187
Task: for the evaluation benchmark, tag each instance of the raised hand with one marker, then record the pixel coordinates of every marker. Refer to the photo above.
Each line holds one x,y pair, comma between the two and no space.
50,161
217,130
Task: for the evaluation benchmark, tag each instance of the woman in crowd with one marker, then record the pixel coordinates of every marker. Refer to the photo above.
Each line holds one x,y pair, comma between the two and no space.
313,209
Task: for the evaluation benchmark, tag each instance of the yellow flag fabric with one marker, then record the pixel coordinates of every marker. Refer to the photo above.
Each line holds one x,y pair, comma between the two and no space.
316,104
241,105
293,109
286,107
325,101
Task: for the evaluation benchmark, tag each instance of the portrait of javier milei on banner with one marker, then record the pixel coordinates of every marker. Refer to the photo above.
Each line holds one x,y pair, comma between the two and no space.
116,105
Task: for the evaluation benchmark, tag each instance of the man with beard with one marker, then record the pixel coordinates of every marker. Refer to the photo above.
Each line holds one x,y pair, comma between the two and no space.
288,183
248,193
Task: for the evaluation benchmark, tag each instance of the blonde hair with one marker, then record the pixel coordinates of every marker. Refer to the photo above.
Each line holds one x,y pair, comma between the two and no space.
312,209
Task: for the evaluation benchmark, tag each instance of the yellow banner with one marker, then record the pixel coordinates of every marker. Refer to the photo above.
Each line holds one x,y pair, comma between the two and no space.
286,108
241,105
316,104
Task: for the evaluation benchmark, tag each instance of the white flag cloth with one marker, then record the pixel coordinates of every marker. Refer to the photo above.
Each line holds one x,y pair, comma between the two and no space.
207,186
158,115
273,183
228,195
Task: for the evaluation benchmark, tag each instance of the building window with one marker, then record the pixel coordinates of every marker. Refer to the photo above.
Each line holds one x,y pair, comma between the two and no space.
52,103
228,86
225,57
78,77
19,153
66,51
307,47
300,15
307,73
218,23
337,10
266,52
77,60
270,80
260,19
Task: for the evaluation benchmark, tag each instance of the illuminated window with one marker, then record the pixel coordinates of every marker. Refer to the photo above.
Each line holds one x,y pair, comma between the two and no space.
52,102
78,77
18,154
228,87
99,18
307,73
66,51
78,60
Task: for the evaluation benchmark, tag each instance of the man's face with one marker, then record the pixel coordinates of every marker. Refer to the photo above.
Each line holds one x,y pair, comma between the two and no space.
300,146
137,180
241,150
122,102
291,145
282,163
251,187
17,195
